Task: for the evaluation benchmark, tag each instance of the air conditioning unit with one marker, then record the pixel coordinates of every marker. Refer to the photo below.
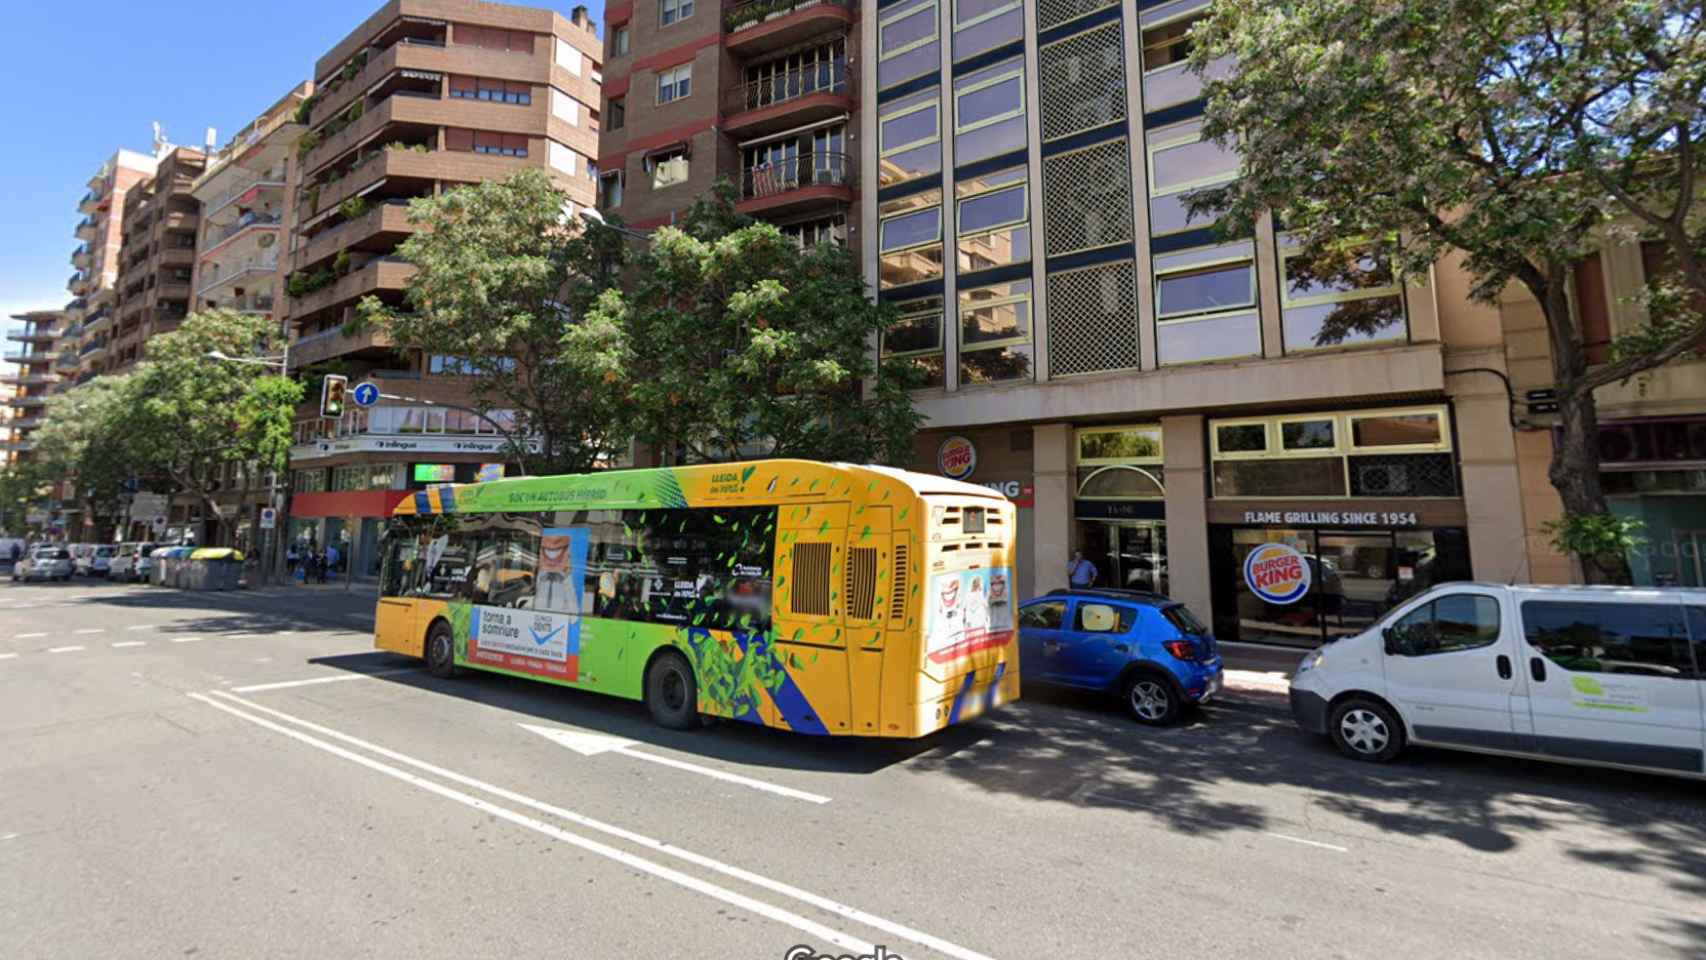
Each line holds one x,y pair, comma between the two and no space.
1374,479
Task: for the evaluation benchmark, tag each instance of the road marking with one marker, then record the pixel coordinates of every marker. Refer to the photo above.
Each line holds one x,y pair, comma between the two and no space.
11,836
587,744
132,643
188,639
86,630
359,616
8,656
258,687
28,636
669,874
141,626
1310,843
639,839
71,649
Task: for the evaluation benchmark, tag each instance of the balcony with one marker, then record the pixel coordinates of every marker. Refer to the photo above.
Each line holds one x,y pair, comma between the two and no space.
92,350
248,221
35,334
29,379
416,53
247,272
80,257
381,274
796,184
400,106
97,322
78,283
319,347
763,26
26,423
86,230
382,164
89,203
380,228
789,99
67,362
272,180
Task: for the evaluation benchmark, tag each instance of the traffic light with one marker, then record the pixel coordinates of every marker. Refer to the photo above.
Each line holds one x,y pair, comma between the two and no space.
332,396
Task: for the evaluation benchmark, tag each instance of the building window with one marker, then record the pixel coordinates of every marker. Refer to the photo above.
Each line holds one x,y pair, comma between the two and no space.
668,169
989,112
909,237
1366,453
916,338
610,191
619,40
995,333
493,91
617,113
907,42
981,25
909,137
674,11
994,226
819,69
1120,463
1180,161
1205,304
675,83
1167,77
1348,300
831,230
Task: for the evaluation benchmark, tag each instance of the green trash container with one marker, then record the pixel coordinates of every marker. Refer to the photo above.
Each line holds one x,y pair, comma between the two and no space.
216,568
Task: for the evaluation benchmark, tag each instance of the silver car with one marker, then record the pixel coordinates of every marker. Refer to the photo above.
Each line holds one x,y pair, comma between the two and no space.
44,563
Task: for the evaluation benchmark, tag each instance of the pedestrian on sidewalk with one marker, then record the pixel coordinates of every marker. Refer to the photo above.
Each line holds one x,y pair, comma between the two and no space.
1080,572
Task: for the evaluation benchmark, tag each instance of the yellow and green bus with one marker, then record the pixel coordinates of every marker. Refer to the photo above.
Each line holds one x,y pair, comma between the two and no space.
821,598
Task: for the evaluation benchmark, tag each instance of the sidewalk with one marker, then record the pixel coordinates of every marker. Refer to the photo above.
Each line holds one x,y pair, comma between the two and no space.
1259,669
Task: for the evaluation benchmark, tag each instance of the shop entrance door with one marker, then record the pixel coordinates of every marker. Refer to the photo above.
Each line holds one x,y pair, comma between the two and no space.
1128,554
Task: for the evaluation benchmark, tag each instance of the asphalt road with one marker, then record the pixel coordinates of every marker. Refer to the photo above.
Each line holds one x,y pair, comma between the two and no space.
242,776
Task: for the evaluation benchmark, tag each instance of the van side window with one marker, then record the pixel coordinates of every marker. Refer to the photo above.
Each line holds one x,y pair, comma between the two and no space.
1645,639
1103,618
1461,621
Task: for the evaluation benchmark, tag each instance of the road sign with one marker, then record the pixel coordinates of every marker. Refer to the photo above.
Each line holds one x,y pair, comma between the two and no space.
158,523
269,518
365,394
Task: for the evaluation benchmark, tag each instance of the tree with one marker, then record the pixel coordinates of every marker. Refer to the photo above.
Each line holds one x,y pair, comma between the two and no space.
87,439
191,416
502,283
742,344
1522,134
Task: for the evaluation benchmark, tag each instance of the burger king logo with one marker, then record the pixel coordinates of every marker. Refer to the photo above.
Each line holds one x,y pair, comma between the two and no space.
956,458
1277,573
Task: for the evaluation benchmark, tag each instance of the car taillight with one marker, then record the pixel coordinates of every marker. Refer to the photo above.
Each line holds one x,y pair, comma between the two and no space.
1182,649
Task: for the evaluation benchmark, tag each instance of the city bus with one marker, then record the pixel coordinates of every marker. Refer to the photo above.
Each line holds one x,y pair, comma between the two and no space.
820,598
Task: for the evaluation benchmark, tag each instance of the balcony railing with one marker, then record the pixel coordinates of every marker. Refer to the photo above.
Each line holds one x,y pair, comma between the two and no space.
814,169
743,16
242,223
827,77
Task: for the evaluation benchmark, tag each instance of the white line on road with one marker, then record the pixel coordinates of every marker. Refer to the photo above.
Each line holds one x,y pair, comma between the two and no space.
188,639
71,649
282,684
28,636
639,839
8,656
789,918
132,643
1310,843
141,626
91,630
587,744
359,616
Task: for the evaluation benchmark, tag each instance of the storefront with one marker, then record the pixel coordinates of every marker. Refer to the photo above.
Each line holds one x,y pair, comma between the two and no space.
997,459
1320,523
1654,471
1119,506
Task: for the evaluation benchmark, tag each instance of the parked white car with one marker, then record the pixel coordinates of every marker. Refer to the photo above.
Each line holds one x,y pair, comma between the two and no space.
44,563
1610,676
132,562
96,561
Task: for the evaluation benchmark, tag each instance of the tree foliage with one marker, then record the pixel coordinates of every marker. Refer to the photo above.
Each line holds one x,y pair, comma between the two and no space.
741,344
1521,134
88,438
500,275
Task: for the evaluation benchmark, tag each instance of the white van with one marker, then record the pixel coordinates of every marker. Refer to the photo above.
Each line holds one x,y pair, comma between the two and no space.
1612,676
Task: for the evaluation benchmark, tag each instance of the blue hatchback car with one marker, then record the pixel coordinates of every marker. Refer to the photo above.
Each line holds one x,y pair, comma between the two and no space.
1148,650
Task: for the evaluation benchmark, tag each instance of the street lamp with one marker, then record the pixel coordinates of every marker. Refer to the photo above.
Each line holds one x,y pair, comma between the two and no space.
274,499
277,362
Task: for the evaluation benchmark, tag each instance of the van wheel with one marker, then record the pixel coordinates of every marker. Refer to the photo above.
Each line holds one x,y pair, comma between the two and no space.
1366,730
672,695
441,650
1151,700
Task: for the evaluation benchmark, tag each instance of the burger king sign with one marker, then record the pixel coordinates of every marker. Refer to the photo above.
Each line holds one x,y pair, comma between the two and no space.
956,458
1277,573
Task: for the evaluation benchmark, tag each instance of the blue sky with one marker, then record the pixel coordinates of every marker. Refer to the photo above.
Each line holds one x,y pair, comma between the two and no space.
90,77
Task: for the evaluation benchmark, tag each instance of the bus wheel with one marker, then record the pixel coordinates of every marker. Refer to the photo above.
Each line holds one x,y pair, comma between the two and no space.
671,693
441,650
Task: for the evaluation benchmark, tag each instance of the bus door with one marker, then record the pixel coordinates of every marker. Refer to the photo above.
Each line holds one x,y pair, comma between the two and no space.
867,587
811,695
394,625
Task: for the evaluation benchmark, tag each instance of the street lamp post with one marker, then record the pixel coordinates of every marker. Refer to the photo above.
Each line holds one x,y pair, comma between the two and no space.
275,542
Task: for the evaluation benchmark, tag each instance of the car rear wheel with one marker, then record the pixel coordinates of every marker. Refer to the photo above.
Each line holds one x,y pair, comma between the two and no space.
1151,700
441,650
672,695
1366,730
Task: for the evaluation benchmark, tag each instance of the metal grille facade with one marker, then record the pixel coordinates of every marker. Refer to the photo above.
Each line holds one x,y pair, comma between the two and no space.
1087,198
1092,319
1053,13
1082,82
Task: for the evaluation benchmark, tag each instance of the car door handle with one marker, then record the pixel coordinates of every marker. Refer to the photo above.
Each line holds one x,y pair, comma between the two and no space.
1537,669
1051,646
1121,648
1504,663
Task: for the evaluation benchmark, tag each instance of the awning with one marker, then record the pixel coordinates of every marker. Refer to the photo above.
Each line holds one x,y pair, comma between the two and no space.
795,131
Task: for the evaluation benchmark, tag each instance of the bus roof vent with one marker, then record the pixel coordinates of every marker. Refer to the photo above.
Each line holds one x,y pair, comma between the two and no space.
811,579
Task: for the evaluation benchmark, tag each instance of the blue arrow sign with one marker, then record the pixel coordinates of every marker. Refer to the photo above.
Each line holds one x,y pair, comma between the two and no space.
365,394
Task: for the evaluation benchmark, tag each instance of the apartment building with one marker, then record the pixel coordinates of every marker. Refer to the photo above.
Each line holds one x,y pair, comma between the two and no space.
423,96
760,93
91,316
157,259
242,195
1175,405
30,377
